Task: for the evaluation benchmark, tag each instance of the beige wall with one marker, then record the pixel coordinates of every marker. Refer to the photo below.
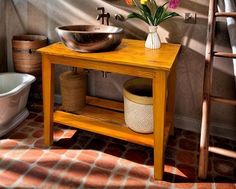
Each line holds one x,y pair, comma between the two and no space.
41,17
2,36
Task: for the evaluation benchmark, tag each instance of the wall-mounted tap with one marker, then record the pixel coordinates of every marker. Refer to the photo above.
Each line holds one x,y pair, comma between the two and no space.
119,17
103,15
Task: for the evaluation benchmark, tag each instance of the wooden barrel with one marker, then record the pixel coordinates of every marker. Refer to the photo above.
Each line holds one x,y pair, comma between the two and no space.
25,57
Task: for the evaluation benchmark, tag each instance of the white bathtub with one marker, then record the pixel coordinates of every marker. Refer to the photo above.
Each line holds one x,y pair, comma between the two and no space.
14,92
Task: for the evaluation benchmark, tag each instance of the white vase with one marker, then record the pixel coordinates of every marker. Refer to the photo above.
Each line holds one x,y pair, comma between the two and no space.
153,40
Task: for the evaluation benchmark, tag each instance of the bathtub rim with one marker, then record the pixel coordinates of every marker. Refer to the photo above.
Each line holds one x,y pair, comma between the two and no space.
20,87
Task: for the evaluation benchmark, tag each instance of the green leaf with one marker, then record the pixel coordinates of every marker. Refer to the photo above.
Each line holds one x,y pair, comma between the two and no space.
159,14
169,15
148,14
151,13
154,2
137,5
153,6
136,15
140,8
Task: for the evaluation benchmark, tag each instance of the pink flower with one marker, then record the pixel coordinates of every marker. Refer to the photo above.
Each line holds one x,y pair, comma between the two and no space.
173,3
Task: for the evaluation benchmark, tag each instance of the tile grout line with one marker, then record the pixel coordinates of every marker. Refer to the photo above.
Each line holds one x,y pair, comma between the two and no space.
75,161
84,179
25,122
148,180
5,156
64,157
114,171
129,167
19,180
172,186
32,164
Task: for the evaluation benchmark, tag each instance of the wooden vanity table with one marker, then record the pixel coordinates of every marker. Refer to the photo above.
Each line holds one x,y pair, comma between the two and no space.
105,116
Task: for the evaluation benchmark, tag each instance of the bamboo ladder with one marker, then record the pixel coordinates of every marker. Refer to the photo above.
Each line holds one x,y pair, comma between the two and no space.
207,97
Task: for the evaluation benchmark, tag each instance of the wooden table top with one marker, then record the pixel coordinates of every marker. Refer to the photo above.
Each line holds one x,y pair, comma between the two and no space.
130,52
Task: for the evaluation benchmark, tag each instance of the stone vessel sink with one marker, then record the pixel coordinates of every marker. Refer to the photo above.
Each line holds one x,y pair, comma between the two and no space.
90,38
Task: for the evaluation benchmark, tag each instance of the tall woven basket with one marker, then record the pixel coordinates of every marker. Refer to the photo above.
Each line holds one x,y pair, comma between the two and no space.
25,57
138,105
73,86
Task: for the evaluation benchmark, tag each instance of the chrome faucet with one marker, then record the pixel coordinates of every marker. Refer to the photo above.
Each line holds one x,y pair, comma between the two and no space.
103,15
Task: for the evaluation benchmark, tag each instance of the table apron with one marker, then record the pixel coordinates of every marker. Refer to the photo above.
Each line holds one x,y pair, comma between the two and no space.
103,66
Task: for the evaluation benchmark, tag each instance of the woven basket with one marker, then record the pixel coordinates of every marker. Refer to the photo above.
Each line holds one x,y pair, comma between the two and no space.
138,105
73,86
25,57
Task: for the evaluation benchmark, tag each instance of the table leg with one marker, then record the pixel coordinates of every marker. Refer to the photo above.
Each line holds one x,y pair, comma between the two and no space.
48,99
171,97
159,108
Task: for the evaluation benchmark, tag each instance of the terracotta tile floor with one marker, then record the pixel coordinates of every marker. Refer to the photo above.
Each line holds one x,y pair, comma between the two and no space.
81,159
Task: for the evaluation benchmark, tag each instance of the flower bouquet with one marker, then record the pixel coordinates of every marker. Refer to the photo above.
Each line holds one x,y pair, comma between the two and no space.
153,14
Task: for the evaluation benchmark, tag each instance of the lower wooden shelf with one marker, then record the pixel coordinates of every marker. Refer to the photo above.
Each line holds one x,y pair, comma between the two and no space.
95,118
